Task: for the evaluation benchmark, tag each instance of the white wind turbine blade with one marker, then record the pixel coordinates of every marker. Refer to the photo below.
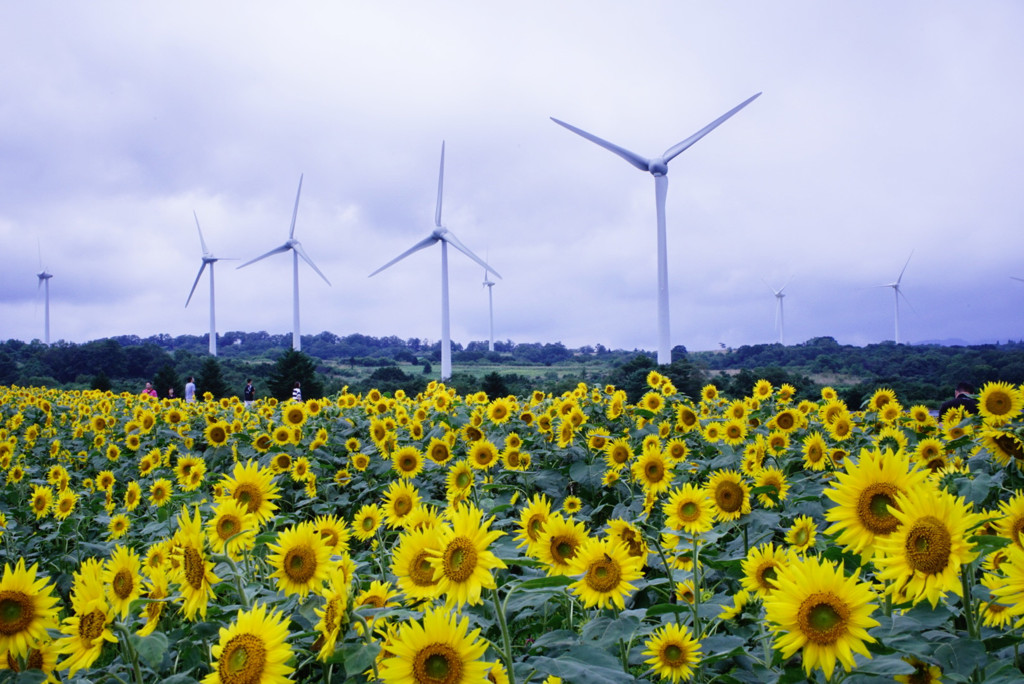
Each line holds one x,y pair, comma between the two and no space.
633,158
282,248
295,211
440,189
898,280
202,242
450,238
305,257
422,244
1016,278
676,149
194,284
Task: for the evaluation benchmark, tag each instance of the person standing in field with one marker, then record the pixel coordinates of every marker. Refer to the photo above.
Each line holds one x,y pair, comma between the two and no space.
190,390
297,391
249,393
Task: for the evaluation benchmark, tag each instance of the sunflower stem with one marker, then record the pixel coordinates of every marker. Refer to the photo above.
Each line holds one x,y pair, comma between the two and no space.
368,637
506,639
668,572
968,602
126,644
697,588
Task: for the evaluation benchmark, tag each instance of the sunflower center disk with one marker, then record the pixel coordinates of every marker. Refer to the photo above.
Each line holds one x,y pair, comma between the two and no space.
300,564
562,549
603,575
227,527
689,511
123,584
823,618
674,656
459,559
15,612
195,570
928,545
437,664
243,660
90,626
729,497
421,571
248,496
873,508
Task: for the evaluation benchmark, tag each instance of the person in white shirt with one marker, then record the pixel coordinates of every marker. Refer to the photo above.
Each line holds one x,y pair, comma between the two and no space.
297,391
190,390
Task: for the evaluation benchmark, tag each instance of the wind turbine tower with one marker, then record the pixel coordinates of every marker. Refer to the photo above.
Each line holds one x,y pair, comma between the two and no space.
293,245
208,260
658,167
44,282
489,284
779,318
445,237
897,293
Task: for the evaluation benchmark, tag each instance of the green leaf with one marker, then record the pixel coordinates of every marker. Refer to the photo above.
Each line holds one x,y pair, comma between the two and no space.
965,657
607,631
583,664
558,639
545,582
150,648
987,543
359,656
886,665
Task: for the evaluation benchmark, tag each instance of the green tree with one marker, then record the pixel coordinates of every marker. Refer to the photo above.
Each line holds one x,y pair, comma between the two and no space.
165,379
210,379
291,367
100,382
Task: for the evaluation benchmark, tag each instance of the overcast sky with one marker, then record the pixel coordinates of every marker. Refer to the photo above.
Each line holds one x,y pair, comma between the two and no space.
884,130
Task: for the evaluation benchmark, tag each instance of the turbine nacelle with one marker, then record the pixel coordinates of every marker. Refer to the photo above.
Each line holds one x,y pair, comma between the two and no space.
658,167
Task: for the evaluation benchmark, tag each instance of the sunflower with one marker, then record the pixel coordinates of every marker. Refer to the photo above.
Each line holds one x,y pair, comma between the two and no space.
440,650
231,529
865,499
300,559
801,534
400,499
558,543
252,649
439,451
930,453
607,569
841,428
1005,445
653,471
460,477
281,435
709,393
160,492
730,495
622,531
118,525
124,583
293,414
155,589
410,563
924,673
301,469
572,504
689,509
334,531
673,651
820,610
193,572
532,520
778,487
254,488
332,614
483,454
761,567
65,504
924,555
186,469
85,632
463,563
880,398
217,434
366,521
41,500
500,410
617,453
407,462
999,402
740,600
28,608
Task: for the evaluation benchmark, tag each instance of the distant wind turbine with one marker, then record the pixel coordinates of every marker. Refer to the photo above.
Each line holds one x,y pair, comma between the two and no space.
1016,278
489,284
445,237
208,260
658,167
296,249
779,319
44,282
897,293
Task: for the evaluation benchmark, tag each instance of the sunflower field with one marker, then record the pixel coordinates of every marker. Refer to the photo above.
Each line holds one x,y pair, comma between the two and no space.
447,539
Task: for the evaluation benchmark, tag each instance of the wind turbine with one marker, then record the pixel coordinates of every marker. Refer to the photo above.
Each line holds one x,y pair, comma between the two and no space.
296,249
44,282
897,293
489,284
445,237
208,260
658,167
779,320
